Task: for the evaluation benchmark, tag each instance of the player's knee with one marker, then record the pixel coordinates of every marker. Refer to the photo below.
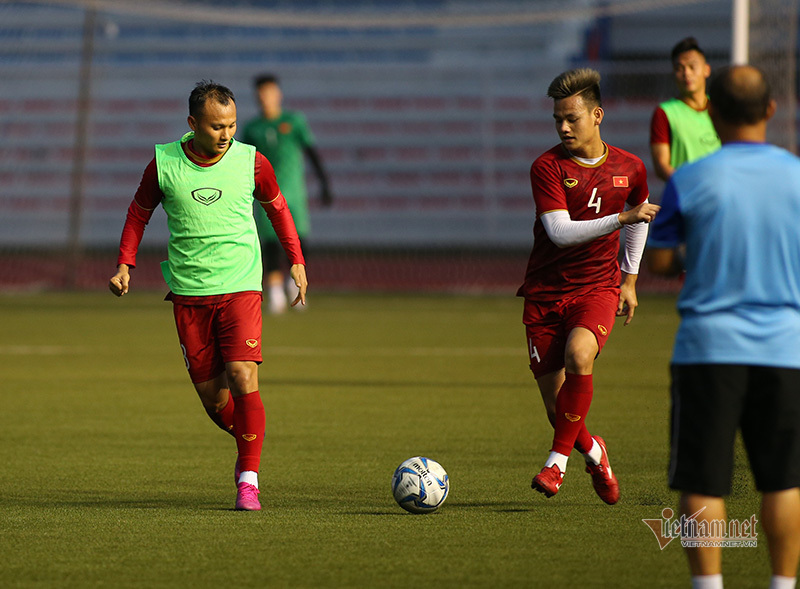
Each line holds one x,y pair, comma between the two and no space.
241,377
213,406
580,359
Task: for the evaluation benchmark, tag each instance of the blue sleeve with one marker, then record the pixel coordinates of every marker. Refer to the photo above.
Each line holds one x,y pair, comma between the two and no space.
666,230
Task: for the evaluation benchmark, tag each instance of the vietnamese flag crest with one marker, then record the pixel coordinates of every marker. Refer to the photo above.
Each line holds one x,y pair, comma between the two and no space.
620,181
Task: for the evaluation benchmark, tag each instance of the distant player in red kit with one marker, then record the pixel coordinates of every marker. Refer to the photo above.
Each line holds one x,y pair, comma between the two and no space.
584,191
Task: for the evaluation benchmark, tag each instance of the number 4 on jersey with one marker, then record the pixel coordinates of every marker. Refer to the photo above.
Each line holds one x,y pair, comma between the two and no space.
594,201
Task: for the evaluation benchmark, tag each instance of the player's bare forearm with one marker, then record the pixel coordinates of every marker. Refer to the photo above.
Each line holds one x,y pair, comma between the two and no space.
119,283
627,297
298,274
664,261
661,160
664,172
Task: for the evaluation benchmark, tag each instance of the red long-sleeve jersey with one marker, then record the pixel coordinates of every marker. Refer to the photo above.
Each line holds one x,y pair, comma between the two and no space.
560,182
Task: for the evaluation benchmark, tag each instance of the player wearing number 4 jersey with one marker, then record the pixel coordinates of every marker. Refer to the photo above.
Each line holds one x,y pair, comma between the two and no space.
584,191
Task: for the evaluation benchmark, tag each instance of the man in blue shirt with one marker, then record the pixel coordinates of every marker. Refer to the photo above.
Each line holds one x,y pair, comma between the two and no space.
736,360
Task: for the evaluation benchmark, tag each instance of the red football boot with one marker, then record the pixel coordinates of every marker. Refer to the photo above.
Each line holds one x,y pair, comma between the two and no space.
548,481
603,480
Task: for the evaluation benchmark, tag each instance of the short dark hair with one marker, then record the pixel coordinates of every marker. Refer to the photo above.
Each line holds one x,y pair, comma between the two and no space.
684,45
208,90
740,97
262,79
584,82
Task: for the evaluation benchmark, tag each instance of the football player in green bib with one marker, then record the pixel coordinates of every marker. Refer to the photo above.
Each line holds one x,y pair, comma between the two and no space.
681,130
206,183
284,138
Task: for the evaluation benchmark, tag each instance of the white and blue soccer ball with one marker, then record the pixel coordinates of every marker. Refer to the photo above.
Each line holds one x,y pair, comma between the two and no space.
420,485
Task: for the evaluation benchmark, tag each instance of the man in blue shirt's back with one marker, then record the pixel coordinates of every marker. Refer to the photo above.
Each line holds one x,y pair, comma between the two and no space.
736,361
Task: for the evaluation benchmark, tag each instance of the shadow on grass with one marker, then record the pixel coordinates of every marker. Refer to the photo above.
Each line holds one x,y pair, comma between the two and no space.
80,501
386,513
497,507
332,382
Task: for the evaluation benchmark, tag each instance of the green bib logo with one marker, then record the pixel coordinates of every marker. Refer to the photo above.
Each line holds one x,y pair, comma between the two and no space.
207,196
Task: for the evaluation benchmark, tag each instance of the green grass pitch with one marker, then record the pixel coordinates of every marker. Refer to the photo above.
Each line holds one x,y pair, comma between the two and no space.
112,475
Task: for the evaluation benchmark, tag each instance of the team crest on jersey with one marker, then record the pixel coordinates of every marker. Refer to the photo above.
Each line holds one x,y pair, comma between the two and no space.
570,182
253,343
620,181
285,128
602,329
207,196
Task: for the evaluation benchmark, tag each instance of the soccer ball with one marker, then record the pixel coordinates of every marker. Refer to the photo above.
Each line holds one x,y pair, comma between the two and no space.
420,485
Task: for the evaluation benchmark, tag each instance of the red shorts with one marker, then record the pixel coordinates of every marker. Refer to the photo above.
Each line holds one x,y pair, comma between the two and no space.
547,325
225,329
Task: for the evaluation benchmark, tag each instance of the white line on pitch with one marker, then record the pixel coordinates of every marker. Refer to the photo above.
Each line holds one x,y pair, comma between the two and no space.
38,350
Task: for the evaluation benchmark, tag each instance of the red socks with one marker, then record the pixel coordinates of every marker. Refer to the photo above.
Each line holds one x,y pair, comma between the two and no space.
226,415
223,418
244,418
572,406
584,441
249,423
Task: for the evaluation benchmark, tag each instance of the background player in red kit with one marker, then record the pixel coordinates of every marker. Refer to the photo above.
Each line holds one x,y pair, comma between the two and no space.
584,191
206,183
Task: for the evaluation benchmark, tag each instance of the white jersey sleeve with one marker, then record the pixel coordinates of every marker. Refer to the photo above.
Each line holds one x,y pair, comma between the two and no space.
564,232
635,240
